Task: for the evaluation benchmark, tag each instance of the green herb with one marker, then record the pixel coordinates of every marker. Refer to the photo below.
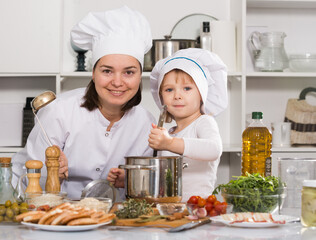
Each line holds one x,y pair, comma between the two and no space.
169,182
253,193
133,208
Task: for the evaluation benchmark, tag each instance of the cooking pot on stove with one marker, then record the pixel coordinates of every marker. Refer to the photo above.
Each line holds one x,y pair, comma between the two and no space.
155,179
163,48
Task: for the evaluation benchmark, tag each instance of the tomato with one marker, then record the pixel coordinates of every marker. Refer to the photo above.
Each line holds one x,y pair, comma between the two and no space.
193,200
219,207
211,198
201,202
213,213
224,207
216,203
208,206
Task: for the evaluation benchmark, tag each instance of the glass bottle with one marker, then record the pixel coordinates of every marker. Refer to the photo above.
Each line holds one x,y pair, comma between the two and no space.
256,147
308,210
206,38
6,188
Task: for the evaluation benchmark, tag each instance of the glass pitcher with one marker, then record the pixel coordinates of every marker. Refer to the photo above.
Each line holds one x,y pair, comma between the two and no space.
268,51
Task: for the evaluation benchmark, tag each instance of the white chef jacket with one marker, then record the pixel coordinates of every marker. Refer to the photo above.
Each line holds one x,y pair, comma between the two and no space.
83,137
202,151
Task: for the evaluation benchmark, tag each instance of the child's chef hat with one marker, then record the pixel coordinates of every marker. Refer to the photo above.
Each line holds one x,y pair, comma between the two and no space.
118,31
207,70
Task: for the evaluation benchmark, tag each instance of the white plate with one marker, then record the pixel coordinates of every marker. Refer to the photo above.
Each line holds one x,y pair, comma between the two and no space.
60,228
189,26
288,219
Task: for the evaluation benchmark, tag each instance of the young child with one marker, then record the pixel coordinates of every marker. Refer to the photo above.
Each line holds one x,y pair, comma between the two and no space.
193,85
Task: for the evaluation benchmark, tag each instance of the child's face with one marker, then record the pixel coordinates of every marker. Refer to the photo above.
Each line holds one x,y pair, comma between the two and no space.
180,94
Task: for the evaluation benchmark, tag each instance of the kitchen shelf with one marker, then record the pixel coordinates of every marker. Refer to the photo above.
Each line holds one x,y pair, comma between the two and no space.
28,74
281,4
305,149
226,148
281,74
10,149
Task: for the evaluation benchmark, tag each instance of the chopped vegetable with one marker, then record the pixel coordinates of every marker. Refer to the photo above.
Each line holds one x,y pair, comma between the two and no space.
134,208
252,193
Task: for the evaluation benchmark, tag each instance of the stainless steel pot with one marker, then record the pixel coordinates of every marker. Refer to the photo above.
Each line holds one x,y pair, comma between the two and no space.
155,179
163,48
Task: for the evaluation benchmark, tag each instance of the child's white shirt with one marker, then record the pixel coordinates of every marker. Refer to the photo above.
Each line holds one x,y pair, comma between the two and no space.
202,151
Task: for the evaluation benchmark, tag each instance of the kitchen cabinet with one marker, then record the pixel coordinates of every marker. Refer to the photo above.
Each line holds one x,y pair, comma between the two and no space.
248,90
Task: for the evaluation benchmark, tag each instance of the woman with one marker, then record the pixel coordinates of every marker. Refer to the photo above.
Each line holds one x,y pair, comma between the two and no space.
98,126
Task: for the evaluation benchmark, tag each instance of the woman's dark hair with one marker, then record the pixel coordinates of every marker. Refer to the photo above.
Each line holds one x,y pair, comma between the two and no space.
91,97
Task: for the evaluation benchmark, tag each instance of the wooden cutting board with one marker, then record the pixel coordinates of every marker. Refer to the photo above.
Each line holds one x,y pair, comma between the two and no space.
162,223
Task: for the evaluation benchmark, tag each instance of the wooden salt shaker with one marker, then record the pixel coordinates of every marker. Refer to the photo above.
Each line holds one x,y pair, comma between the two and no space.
52,182
33,174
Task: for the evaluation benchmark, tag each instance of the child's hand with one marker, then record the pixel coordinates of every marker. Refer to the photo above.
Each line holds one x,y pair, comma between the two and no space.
116,176
159,138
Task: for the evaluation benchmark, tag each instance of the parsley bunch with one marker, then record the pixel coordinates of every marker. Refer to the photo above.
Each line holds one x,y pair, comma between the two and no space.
253,193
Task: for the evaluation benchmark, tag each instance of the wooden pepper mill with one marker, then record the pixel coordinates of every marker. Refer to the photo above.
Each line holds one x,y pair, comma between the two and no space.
33,174
52,182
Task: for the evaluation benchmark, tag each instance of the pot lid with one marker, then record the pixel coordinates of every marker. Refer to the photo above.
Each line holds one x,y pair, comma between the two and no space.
99,188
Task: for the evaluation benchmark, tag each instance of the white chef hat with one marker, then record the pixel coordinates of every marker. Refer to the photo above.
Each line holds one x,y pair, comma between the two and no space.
207,70
118,31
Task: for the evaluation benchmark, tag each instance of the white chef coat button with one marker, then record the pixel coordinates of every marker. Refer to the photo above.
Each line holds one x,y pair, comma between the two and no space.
97,169
106,134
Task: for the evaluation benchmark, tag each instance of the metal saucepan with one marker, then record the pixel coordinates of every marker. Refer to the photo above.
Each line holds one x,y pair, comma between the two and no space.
163,48
155,179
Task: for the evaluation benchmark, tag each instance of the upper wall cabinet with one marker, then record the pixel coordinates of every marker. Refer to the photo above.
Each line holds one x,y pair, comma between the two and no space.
22,48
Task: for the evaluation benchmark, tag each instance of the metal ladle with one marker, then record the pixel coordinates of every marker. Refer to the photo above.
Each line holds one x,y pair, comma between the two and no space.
40,101
162,118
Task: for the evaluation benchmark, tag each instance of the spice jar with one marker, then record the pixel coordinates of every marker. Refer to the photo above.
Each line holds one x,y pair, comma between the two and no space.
6,188
308,214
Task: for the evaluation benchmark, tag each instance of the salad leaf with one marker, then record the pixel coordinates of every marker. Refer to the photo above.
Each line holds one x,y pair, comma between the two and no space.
253,193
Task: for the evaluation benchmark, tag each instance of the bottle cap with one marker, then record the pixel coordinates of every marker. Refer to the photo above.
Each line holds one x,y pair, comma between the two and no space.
309,183
256,115
206,26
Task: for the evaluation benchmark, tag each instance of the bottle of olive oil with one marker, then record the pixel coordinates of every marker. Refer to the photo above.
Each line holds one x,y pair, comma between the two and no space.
256,147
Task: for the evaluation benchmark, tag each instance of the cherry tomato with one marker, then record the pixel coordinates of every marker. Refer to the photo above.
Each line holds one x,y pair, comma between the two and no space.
219,207
208,206
213,213
193,200
216,203
224,207
211,198
201,202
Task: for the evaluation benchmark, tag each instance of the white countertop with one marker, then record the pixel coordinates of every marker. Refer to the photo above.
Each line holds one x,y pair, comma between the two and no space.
210,231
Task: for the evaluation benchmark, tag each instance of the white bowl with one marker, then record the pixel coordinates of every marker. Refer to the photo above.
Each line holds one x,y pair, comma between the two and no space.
303,62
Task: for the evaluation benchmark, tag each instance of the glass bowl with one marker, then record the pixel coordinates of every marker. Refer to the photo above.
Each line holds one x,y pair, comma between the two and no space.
48,199
96,203
254,199
223,208
302,62
170,208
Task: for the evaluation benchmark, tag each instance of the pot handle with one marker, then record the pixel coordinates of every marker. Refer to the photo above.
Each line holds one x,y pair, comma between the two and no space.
140,167
185,165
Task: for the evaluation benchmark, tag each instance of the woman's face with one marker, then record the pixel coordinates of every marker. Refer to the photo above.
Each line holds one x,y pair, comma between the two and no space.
117,78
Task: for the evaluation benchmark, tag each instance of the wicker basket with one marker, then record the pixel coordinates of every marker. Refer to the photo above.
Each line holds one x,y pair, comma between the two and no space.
303,118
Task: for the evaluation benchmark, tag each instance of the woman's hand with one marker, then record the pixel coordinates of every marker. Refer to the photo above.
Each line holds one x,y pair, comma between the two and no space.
63,166
116,176
159,138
